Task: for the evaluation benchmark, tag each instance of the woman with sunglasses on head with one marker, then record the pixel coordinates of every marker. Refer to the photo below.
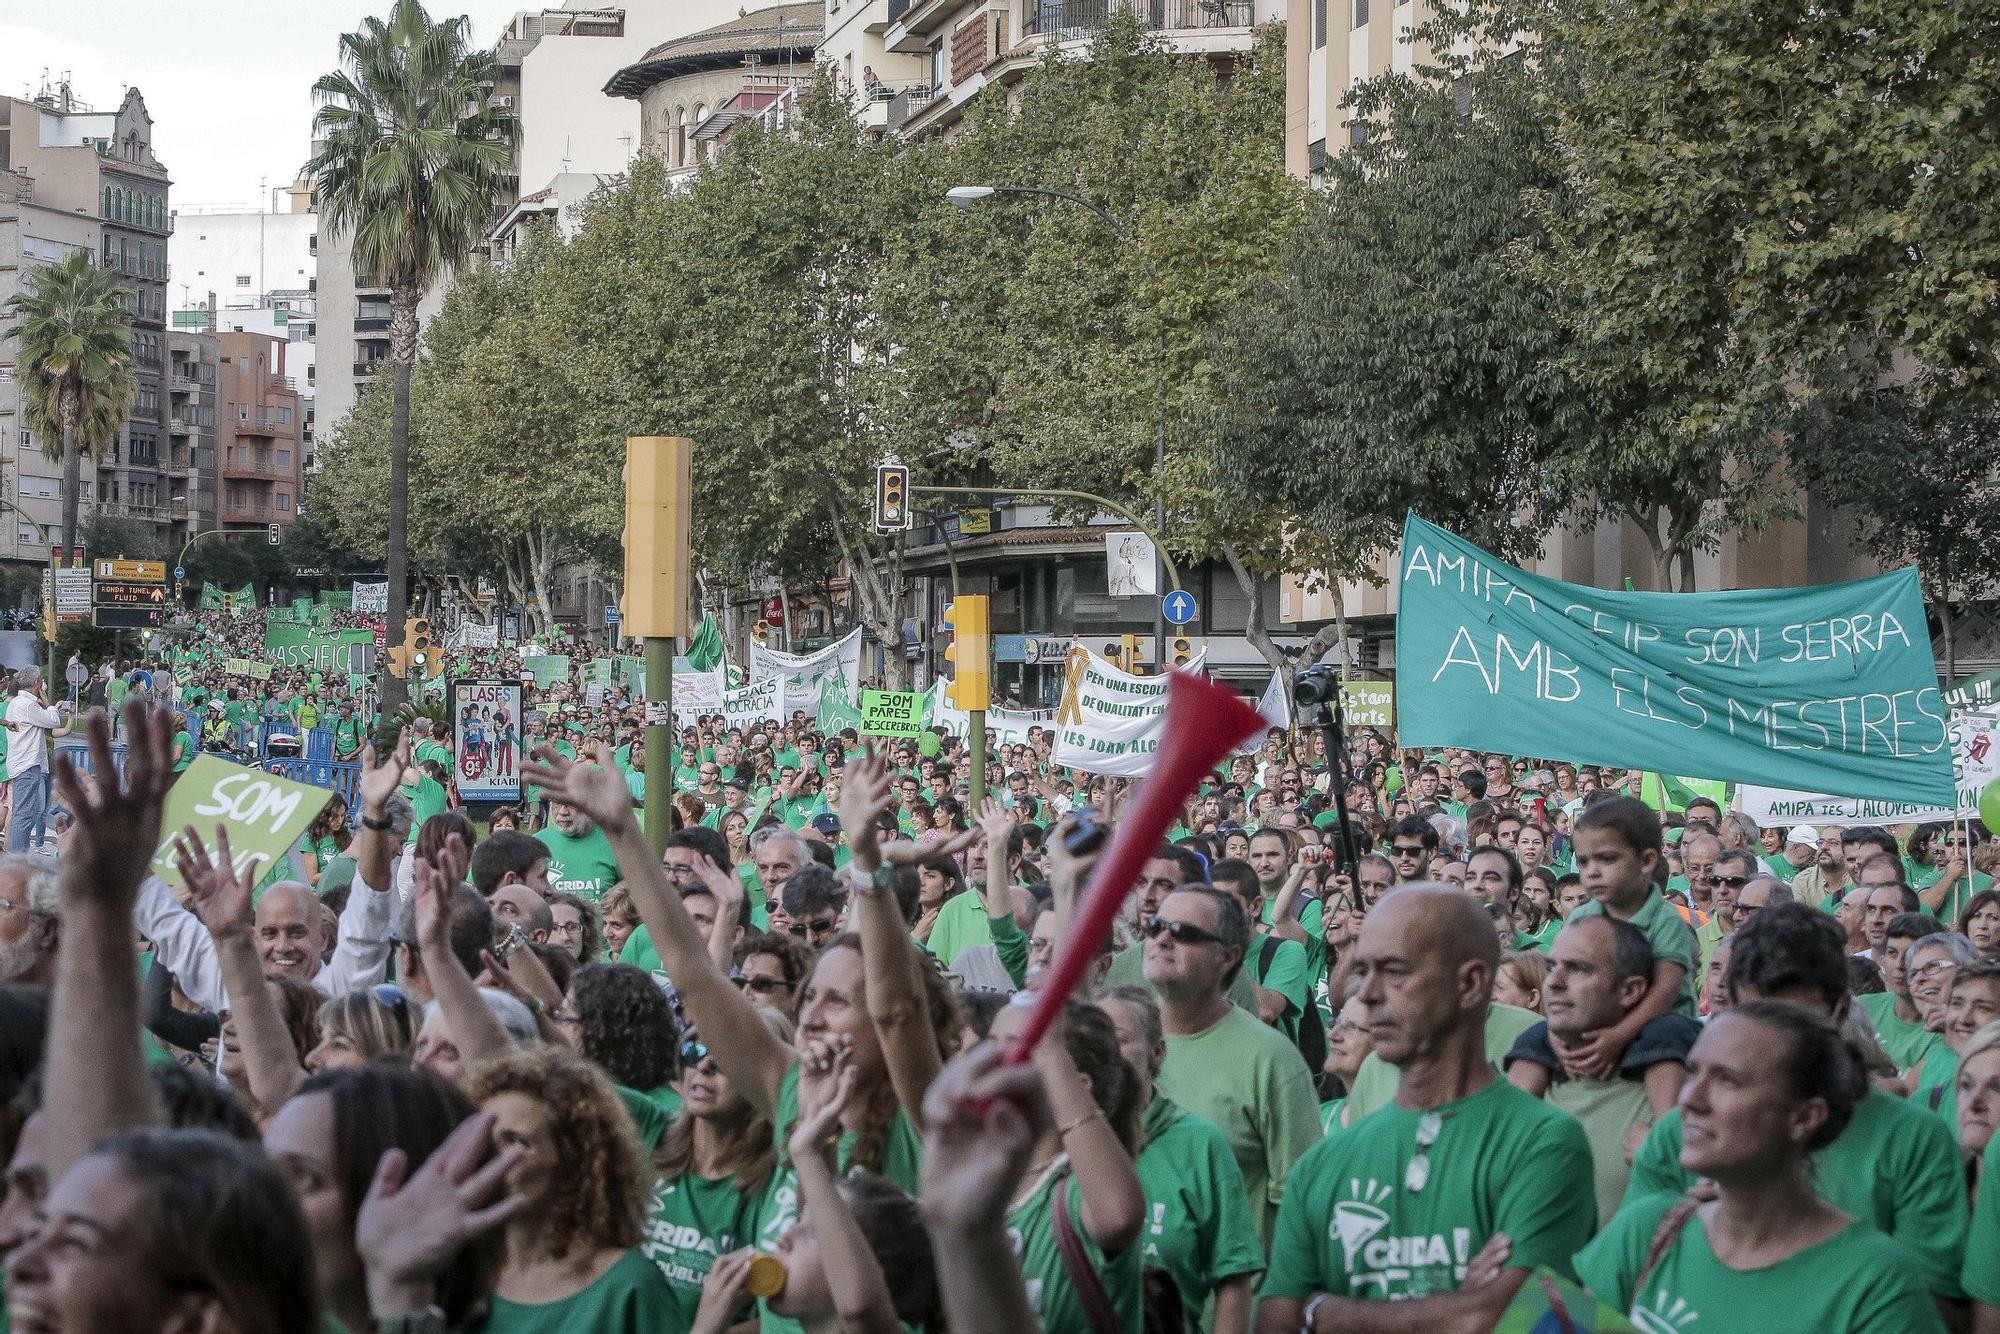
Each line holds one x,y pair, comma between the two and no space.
1769,1084
618,1017
711,1170
874,1131
364,1025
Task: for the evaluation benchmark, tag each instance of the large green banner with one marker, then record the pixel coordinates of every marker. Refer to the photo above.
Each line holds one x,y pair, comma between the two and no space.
310,647
1828,689
337,599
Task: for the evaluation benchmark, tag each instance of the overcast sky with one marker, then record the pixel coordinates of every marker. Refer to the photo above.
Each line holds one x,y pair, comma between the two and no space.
228,82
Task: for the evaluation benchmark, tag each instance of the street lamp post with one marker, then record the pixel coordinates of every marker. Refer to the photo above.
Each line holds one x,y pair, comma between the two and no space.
969,196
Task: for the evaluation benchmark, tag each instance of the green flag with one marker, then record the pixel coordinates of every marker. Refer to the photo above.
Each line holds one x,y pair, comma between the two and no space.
704,649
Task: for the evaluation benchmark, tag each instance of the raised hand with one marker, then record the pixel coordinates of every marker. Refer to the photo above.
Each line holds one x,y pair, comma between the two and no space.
598,790
864,798
909,852
220,896
981,1121
116,829
380,779
410,1228
995,820
723,1293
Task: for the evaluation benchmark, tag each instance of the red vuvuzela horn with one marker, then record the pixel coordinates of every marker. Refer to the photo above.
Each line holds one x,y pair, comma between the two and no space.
1204,722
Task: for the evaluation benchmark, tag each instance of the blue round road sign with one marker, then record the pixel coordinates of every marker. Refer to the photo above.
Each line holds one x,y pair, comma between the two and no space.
1179,607
180,572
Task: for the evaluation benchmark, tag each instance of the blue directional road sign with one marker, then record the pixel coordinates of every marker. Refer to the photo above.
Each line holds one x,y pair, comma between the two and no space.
180,572
611,616
1179,607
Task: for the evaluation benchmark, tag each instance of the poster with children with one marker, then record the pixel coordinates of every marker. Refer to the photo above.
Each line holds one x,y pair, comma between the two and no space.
486,739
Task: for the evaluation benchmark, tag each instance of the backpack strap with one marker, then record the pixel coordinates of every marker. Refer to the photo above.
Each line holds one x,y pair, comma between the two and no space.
1083,1277
1671,1224
1265,953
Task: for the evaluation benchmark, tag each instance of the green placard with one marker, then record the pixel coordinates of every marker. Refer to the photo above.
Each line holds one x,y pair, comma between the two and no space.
256,671
547,669
264,813
1824,690
1368,703
892,712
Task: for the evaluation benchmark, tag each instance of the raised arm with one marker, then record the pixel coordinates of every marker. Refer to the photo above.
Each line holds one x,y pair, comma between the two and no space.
996,826
727,887
374,848
1114,1204
748,1053
95,1080
860,1290
474,1028
222,897
981,1122
1284,907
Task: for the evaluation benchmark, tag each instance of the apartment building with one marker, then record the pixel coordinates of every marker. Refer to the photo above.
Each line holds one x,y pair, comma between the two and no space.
693,90
256,434
194,362
72,177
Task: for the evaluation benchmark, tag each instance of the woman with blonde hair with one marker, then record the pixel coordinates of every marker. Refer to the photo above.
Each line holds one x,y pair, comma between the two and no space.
362,1025
571,1257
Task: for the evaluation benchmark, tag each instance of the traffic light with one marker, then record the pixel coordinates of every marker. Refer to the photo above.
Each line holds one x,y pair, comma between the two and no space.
272,535
418,655
761,632
968,618
892,498
659,515
1180,651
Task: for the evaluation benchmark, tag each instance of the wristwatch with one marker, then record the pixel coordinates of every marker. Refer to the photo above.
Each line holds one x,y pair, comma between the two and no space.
383,825
1313,1303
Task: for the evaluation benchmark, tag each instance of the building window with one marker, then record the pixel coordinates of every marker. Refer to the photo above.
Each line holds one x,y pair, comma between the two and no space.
1319,24
27,536
1360,13
243,279
677,154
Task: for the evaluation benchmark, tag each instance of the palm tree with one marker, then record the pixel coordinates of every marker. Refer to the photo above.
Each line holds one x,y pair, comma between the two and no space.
76,363
412,163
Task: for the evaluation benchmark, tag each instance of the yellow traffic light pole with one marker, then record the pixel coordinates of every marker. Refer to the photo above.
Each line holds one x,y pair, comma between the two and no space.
659,513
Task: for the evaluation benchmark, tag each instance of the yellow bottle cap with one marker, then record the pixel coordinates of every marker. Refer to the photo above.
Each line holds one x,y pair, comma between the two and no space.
767,1276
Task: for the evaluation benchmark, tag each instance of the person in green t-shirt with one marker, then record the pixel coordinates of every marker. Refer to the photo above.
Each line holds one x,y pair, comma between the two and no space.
348,734
1198,1223
1772,1084
1280,968
580,858
1402,1205
1893,1165
704,1203
1618,849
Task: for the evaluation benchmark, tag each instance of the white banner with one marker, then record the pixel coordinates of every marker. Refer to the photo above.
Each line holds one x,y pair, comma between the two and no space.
695,694
1131,569
371,597
1109,722
1004,727
471,634
754,703
1275,708
1975,753
803,673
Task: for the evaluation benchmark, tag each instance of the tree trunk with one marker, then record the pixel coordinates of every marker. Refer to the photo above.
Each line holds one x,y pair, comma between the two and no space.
785,616
1255,629
403,351
542,571
72,487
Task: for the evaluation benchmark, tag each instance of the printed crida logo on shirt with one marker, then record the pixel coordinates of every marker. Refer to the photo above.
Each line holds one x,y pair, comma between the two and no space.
1394,1267
1677,1317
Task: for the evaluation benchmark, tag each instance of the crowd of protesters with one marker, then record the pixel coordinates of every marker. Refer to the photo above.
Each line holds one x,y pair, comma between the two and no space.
1505,1035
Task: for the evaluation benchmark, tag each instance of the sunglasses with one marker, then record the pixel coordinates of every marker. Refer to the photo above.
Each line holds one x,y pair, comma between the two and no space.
1733,881
763,986
1181,933
824,926
392,997
1409,850
693,1054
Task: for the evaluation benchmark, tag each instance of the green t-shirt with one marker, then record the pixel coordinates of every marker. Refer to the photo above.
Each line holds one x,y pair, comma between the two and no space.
347,734
1031,1228
1198,1224
1376,1082
1247,1080
692,1221
631,1297
960,924
651,1113
1896,1166
1288,975
582,866
1502,1162
902,1161
185,740
426,799
1855,1282
1907,1043
1672,940
1982,1243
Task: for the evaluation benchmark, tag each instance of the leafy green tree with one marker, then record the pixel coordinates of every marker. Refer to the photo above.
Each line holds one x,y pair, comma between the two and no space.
413,158
75,363
1919,483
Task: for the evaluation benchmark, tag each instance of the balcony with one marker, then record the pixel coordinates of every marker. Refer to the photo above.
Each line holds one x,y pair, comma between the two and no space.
1080,18
260,466
124,510
366,369
180,465
243,511
909,102
176,426
372,324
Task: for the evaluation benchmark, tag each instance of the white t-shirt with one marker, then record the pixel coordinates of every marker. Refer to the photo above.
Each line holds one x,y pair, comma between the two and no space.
29,722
